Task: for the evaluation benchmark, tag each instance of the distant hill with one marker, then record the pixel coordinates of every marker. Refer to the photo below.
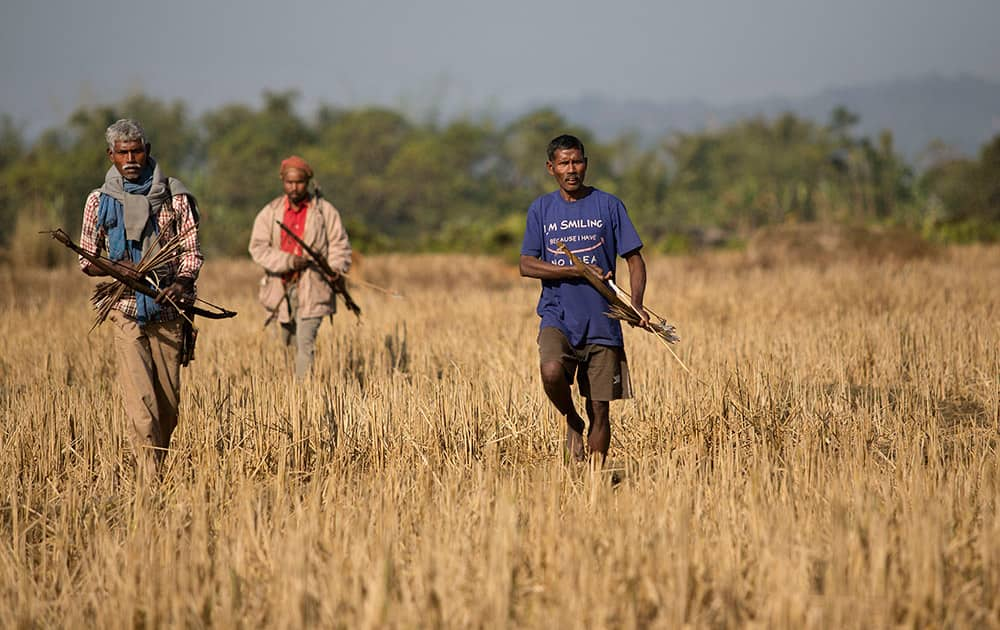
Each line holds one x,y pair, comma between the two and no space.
962,111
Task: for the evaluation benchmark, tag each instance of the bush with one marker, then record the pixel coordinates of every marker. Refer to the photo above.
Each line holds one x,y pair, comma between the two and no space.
30,247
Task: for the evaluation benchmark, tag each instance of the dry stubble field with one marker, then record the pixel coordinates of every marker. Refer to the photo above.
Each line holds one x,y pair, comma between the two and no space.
832,462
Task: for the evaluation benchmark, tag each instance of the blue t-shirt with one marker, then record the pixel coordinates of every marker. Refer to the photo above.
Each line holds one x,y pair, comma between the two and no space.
597,229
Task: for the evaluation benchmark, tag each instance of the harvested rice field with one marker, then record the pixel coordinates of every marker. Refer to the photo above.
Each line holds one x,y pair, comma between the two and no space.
830,461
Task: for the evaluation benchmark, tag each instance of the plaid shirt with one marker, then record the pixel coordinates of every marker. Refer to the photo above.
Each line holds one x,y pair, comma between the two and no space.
175,216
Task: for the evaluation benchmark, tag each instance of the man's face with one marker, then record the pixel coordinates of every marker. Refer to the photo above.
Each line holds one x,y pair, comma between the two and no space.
296,185
568,167
129,157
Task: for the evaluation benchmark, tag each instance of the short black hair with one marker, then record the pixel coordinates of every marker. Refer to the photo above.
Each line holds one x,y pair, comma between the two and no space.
562,143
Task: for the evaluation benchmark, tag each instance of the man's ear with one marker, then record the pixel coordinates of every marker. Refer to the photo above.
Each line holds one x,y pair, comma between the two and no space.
148,147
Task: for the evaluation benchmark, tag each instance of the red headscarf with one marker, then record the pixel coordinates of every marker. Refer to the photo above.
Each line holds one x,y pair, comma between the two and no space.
297,163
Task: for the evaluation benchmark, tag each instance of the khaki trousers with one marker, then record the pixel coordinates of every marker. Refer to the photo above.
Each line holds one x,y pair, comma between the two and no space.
149,375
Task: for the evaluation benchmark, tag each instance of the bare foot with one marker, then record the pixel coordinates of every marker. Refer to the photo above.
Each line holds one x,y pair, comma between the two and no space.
574,443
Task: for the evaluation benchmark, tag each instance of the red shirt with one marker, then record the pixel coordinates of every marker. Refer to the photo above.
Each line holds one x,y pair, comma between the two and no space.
295,218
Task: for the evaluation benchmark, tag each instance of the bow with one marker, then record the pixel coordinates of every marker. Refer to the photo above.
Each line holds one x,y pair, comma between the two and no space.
109,268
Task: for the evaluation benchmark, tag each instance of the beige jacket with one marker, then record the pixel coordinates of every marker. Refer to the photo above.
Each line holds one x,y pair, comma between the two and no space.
324,233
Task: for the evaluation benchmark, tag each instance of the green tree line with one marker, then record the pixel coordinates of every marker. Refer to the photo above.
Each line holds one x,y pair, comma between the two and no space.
465,184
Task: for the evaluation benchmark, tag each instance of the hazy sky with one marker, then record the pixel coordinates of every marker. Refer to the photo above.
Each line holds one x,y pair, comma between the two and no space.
469,55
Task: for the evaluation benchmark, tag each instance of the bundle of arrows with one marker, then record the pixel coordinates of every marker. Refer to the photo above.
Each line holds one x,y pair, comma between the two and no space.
620,304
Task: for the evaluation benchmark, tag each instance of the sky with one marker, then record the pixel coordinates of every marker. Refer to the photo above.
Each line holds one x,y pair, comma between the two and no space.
469,56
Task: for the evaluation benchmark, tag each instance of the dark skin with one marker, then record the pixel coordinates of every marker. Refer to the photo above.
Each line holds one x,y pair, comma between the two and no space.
296,186
130,157
569,167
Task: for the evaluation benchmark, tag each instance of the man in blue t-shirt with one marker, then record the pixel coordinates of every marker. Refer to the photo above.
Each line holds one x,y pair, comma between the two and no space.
575,336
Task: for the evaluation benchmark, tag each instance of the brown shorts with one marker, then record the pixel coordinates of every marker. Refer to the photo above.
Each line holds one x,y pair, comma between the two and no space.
601,371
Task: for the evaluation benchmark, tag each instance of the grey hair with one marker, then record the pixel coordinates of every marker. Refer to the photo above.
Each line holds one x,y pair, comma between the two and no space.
124,130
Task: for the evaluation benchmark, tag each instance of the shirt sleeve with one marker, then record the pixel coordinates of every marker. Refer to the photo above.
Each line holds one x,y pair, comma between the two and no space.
90,238
271,258
338,253
626,237
531,245
187,225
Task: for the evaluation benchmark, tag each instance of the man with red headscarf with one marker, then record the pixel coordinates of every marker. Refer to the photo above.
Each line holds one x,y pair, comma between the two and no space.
293,289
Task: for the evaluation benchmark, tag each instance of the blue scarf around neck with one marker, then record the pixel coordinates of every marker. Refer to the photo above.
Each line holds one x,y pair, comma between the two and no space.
111,215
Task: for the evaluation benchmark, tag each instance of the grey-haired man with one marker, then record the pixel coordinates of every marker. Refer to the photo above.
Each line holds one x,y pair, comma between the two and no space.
135,210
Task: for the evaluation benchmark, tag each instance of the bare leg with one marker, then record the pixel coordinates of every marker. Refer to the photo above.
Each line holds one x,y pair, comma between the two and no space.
558,390
599,434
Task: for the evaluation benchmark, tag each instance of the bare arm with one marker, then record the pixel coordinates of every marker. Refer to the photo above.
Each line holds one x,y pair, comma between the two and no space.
532,267
637,283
